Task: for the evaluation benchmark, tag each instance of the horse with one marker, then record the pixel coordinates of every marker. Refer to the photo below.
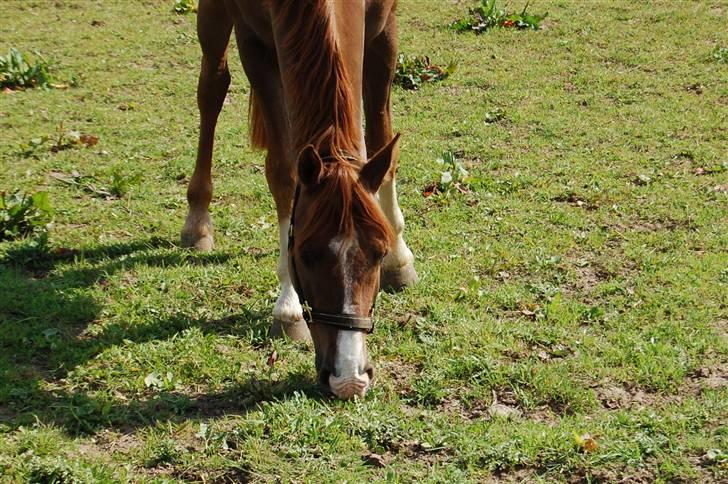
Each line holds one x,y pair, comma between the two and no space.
314,67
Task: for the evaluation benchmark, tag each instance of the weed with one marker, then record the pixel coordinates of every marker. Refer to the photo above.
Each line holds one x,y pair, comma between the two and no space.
121,183
59,469
494,115
412,71
453,179
719,54
161,450
428,390
33,147
184,6
16,72
487,15
22,214
67,140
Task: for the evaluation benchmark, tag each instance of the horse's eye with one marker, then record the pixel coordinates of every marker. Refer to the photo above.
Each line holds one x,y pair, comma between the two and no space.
306,257
379,256
310,256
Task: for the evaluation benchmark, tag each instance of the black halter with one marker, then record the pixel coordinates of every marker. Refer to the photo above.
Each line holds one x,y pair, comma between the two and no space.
351,322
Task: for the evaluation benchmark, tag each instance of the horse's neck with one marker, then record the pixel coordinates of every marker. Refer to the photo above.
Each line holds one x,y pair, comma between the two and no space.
320,55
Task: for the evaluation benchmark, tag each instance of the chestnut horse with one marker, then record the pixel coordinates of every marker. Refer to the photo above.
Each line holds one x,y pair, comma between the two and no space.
313,65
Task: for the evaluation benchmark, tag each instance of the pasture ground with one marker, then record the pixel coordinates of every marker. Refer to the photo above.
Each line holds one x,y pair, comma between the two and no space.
570,323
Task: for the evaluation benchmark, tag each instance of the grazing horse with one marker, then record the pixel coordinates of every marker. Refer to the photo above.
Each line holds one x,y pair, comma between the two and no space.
314,66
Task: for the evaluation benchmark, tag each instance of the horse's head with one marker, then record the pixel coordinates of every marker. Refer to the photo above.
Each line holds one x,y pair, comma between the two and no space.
338,240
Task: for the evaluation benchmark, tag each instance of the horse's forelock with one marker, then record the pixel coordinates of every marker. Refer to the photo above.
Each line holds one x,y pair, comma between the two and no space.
340,205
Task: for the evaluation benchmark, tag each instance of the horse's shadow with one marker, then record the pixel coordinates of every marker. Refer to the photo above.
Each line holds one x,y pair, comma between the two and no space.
44,312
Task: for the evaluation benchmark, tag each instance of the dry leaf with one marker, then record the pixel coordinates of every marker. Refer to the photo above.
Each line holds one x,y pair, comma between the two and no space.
272,359
586,442
89,140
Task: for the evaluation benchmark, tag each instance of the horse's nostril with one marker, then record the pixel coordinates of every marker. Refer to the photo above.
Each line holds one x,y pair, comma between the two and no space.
369,370
324,378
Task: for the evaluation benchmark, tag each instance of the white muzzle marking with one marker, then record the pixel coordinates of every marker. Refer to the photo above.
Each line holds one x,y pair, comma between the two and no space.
350,361
347,388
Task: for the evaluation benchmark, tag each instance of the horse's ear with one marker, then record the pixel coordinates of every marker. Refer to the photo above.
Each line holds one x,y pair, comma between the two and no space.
373,173
310,166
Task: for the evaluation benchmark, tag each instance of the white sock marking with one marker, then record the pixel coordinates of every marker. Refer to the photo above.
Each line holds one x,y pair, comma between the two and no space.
287,308
399,255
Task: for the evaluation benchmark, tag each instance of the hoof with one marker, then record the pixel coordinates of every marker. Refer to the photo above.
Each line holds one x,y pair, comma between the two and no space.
398,278
297,330
197,231
204,243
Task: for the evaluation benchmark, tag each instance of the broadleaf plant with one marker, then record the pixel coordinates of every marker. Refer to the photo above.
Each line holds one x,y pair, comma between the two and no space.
412,71
16,72
22,214
487,15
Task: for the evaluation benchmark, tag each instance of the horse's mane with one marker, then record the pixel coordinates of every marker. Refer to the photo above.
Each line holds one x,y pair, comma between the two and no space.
322,112
316,78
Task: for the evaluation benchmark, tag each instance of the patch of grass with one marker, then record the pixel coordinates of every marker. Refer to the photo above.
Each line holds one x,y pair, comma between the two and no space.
23,214
63,469
161,449
17,72
487,16
412,71
119,185
184,6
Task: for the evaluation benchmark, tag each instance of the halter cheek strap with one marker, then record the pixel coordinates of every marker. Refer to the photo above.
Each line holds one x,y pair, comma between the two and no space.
350,322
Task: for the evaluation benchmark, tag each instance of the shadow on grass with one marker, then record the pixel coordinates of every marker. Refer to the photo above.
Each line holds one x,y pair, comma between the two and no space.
79,413
44,312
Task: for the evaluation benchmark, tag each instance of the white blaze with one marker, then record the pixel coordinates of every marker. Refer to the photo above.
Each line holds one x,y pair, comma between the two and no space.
349,379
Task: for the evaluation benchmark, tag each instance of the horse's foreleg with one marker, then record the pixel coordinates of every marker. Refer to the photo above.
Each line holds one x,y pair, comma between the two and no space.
380,59
287,313
213,27
268,117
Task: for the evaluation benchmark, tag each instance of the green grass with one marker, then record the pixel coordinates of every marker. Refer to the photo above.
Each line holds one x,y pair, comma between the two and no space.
580,279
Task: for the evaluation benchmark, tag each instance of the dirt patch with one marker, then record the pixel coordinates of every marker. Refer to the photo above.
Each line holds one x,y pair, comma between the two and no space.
588,270
544,414
589,275
721,327
408,449
518,474
614,396
630,475
576,200
708,377
504,405
218,476
397,375
111,442
660,224
454,406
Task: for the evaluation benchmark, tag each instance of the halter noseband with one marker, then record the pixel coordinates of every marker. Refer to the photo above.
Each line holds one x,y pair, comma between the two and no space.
350,322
